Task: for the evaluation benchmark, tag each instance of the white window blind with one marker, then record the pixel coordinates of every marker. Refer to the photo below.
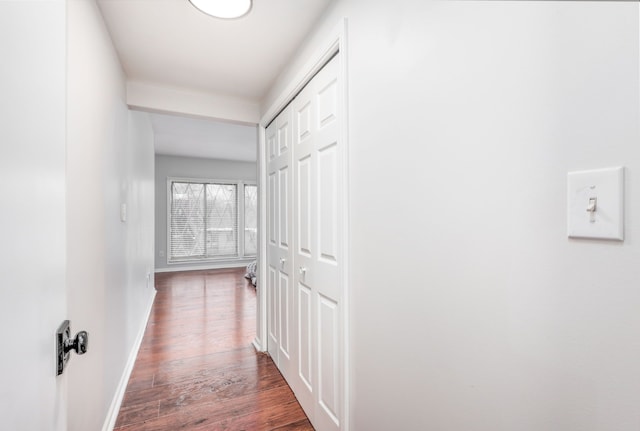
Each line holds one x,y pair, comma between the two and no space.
250,220
187,220
221,222
206,220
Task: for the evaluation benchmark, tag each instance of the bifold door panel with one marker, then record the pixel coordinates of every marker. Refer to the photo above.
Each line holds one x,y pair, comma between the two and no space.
279,251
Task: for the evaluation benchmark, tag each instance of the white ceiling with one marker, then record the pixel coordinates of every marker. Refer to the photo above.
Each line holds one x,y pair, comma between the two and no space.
192,137
170,43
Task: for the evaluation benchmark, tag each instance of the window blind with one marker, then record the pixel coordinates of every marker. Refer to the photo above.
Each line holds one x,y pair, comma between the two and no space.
187,220
204,220
221,220
250,220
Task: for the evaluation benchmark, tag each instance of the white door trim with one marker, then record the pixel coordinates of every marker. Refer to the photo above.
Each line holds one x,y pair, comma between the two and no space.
334,44
260,342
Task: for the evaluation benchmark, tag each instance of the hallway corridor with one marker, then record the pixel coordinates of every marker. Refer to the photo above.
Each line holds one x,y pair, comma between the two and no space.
197,370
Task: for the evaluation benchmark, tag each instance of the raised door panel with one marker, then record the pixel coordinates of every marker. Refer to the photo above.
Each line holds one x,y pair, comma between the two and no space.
273,209
285,307
304,211
328,205
304,337
272,148
328,358
284,133
304,122
283,175
327,97
274,315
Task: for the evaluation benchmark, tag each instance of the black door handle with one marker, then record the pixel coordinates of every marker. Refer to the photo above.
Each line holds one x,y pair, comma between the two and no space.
80,344
65,344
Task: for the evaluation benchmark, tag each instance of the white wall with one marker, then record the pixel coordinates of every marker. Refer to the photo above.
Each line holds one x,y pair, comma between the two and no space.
32,220
189,167
470,308
109,162
156,98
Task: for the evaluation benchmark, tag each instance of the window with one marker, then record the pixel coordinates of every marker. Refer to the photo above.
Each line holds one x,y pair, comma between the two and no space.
211,220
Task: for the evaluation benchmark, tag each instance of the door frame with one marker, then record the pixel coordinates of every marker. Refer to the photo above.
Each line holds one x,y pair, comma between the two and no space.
334,44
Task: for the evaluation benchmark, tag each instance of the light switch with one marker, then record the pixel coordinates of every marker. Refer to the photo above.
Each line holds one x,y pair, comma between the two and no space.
123,212
595,204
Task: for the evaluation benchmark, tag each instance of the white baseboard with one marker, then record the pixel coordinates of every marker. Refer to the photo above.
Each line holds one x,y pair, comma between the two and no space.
114,409
218,265
257,345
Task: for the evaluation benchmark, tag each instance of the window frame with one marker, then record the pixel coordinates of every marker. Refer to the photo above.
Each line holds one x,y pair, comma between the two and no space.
240,220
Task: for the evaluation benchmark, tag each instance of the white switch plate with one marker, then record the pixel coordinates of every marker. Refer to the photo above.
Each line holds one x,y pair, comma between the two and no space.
123,212
607,187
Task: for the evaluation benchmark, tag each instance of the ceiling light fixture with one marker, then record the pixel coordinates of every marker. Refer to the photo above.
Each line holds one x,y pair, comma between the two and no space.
227,9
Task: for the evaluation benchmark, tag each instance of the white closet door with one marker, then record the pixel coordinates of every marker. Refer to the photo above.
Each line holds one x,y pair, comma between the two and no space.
279,242
318,233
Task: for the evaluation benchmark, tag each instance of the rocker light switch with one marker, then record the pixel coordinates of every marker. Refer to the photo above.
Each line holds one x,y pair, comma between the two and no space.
595,204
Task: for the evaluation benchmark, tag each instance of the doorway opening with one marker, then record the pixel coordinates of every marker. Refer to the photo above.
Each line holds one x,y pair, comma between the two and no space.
206,208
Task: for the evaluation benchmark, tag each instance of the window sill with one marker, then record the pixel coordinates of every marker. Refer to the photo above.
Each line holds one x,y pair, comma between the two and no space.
210,260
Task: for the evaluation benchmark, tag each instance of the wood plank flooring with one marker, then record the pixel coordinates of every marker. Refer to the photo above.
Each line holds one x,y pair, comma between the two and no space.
197,370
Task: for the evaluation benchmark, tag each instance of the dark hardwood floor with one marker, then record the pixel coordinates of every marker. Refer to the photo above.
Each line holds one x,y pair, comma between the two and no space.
197,370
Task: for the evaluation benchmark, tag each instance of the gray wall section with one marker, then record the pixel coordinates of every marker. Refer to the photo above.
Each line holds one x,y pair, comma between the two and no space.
189,167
